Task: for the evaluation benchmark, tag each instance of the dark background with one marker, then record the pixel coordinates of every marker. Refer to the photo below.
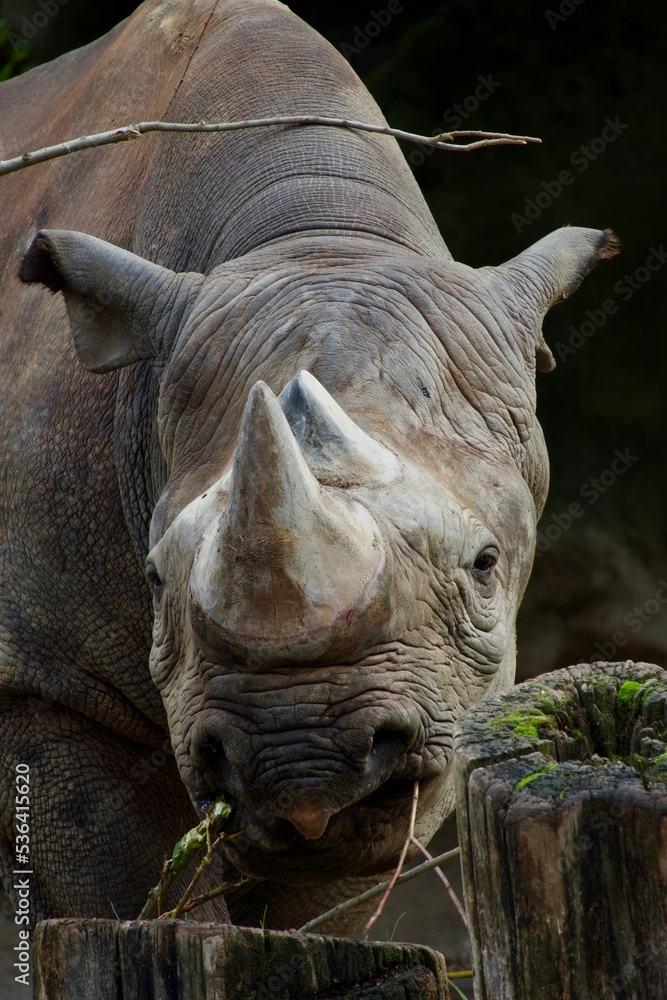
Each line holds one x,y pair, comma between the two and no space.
558,71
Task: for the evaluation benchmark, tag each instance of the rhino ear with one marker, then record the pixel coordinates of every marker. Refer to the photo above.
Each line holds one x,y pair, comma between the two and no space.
550,270
121,308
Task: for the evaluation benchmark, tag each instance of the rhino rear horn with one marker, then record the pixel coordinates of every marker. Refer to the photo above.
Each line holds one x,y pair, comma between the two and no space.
289,564
337,451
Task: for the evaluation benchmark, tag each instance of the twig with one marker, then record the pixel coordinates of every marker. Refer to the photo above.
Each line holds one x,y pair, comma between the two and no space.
211,894
161,885
399,867
125,132
369,894
447,884
185,850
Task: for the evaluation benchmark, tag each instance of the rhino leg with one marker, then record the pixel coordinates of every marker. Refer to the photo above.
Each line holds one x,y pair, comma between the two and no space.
103,814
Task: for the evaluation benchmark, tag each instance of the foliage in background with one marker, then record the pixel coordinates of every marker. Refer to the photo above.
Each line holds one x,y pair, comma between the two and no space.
13,55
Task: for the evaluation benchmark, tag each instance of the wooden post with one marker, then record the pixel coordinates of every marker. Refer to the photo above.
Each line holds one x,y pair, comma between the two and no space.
562,812
182,960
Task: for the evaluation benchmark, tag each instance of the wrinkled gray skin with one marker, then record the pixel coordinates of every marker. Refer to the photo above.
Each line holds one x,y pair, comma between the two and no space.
319,435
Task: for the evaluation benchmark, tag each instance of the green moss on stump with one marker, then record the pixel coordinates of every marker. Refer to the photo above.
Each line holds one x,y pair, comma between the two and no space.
626,695
533,777
526,722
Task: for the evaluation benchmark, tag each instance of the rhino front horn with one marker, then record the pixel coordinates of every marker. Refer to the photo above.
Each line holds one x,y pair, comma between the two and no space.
291,569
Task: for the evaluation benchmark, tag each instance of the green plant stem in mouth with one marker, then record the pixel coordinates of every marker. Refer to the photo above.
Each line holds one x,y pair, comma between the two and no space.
206,834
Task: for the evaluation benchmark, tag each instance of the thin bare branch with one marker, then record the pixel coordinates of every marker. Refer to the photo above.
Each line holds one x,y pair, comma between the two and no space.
185,907
401,861
376,890
447,884
160,886
127,132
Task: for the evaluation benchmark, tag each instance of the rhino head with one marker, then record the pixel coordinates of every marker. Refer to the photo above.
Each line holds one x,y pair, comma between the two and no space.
347,525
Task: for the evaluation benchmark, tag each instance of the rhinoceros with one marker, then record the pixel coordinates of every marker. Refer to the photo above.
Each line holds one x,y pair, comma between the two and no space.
270,471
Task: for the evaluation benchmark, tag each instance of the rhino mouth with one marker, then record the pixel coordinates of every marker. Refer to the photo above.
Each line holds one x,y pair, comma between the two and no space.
364,838
362,834
319,797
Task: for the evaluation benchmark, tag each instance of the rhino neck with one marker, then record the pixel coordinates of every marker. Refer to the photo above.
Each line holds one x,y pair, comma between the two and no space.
140,466
249,187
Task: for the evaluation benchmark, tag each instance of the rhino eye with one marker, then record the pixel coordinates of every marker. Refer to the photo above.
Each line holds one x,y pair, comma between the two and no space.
484,563
153,579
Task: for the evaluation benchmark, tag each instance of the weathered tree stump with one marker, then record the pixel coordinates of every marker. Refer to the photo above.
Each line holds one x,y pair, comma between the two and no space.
180,960
562,811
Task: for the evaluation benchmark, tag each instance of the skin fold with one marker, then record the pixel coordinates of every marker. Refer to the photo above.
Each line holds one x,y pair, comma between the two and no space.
271,471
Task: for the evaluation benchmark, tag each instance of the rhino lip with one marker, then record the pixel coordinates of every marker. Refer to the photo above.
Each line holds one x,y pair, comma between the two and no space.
272,835
310,820
260,835
263,831
272,847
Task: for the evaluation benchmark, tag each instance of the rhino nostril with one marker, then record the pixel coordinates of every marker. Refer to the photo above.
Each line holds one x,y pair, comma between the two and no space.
387,740
393,743
216,772
211,754
404,735
387,751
